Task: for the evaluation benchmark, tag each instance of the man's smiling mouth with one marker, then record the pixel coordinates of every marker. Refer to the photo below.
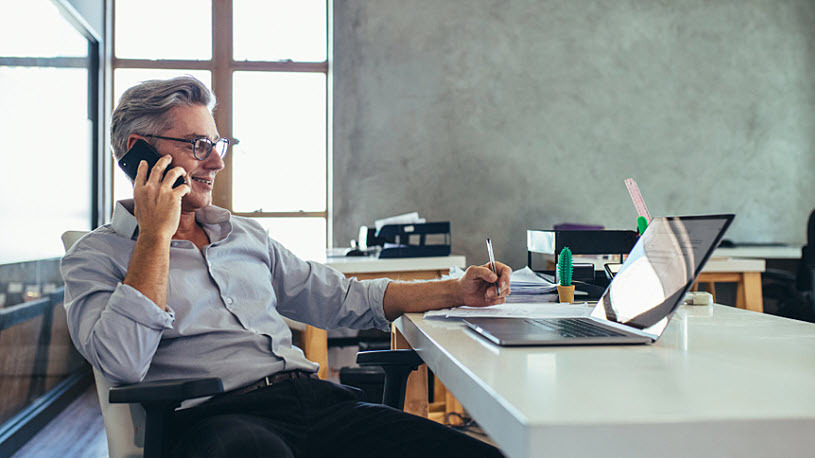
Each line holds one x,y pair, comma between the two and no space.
202,180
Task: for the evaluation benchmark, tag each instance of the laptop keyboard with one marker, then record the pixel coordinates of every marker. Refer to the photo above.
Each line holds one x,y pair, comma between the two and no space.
575,327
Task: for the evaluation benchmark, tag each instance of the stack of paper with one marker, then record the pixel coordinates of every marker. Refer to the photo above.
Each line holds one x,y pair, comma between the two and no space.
525,282
526,286
407,218
522,282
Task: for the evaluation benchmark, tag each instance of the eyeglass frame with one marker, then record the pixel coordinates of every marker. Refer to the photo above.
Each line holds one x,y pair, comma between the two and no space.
229,142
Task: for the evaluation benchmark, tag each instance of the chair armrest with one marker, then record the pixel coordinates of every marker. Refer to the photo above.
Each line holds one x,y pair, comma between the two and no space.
407,358
165,390
778,275
397,364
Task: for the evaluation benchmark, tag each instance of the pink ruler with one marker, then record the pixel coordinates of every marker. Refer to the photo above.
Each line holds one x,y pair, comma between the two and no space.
639,204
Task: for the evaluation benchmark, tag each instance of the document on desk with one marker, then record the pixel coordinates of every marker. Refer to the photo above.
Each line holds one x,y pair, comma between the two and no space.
523,282
515,310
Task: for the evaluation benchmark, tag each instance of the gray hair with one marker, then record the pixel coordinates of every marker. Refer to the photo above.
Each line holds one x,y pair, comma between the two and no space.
144,108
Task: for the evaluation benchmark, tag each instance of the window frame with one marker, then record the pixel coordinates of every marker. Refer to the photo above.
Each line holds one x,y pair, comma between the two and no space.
222,66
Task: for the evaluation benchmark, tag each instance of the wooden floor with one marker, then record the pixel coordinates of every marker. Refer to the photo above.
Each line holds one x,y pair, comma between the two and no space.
77,432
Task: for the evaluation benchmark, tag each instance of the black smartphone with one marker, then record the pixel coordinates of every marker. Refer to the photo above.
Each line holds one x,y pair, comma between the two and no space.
142,151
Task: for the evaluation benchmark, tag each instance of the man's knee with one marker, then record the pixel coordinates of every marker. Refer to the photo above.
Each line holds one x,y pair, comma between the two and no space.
230,436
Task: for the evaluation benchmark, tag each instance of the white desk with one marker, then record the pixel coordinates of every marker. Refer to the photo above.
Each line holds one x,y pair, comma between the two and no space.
760,252
360,265
721,382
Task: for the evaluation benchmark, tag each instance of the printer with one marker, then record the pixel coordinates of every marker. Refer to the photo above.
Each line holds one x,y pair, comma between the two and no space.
410,240
543,247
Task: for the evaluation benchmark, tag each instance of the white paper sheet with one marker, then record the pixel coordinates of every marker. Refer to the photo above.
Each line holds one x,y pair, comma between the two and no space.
515,310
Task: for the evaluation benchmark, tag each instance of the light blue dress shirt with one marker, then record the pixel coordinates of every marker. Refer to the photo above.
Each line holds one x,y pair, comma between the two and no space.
224,303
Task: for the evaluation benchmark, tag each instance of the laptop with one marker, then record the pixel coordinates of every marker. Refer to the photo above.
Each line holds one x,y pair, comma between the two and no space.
641,298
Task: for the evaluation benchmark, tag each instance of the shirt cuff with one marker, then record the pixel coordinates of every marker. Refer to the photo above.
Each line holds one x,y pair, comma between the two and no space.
131,303
376,297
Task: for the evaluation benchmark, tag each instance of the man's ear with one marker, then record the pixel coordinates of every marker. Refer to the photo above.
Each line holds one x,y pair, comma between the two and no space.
132,139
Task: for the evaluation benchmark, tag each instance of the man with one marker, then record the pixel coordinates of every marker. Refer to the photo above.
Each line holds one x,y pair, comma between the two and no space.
175,287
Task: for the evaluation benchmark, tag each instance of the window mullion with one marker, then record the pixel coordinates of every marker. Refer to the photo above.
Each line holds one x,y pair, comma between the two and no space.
222,86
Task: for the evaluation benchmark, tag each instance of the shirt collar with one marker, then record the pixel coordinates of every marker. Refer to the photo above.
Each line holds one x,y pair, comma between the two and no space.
125,224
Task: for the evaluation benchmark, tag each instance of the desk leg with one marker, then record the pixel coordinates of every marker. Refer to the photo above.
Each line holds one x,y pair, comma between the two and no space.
748,292
315,346
416,392
452,405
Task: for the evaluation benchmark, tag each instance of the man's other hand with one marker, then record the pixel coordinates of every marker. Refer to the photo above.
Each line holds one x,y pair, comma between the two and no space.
478,285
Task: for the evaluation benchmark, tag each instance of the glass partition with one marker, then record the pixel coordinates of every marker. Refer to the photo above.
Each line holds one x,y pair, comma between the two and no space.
48,75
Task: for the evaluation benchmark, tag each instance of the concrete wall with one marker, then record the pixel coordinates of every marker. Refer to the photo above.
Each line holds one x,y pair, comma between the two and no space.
506,115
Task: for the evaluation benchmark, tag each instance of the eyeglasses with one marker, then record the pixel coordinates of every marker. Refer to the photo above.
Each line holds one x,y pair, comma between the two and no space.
202,147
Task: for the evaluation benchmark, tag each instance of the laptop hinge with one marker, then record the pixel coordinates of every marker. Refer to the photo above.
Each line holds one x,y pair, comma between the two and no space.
624,328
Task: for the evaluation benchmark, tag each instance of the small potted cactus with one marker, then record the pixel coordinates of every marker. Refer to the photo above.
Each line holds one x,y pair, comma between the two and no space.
565,288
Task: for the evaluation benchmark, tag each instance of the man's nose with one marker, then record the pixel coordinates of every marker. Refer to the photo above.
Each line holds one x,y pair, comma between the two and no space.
214,161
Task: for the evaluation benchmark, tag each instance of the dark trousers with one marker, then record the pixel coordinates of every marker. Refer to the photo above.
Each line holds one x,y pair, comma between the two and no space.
312,418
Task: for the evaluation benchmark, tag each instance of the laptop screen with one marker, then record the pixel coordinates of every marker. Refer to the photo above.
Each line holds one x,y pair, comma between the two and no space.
659,270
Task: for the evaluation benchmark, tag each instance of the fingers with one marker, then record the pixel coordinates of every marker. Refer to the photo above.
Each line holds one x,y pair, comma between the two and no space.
505,273
182,190
490,293
141,173
157,172
502,278
484,272
173,175
495,301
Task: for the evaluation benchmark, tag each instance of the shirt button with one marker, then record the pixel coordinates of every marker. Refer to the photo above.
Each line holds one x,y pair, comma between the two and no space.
228,300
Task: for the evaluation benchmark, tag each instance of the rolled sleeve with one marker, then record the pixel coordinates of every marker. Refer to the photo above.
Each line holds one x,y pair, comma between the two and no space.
376,298
132,304
115,327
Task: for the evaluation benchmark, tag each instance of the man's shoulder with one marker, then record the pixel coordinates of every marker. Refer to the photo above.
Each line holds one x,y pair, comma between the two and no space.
249,225
103,238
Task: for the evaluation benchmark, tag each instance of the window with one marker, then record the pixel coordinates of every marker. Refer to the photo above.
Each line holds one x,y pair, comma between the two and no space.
48,94
44,61
267,63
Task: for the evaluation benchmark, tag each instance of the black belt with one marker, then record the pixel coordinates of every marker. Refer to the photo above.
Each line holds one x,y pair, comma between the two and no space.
271,380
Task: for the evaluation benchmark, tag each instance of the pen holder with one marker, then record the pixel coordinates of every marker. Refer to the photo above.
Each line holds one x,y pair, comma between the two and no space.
565,293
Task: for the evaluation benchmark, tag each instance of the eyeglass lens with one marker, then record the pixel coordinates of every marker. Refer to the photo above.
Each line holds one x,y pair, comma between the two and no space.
203,147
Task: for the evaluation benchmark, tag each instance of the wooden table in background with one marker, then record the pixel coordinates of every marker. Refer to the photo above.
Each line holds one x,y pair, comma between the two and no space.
746,273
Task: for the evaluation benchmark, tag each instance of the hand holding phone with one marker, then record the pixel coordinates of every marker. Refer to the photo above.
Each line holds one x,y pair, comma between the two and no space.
142,151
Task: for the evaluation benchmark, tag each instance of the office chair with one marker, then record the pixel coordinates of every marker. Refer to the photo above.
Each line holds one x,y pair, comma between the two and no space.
135,415
795,294
805,276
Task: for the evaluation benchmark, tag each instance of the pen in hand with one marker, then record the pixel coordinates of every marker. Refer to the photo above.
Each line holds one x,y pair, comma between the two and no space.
492,264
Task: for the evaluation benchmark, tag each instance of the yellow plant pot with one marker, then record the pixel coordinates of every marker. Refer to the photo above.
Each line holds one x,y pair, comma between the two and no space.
565,293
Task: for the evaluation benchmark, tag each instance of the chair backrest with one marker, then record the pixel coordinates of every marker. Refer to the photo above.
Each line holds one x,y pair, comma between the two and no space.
71,237
810,262
124,423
